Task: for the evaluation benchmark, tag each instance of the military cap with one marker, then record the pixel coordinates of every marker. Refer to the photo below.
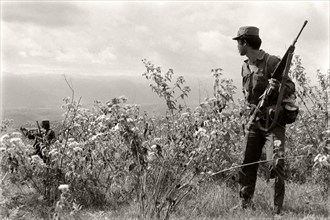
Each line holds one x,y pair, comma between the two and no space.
45,123
247,31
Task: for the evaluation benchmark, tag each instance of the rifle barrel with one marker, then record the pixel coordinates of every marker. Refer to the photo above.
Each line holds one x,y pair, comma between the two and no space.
296,39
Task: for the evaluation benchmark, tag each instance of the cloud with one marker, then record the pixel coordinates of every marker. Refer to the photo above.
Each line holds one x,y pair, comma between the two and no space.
189,37
214,43
104,56
84,55
47,14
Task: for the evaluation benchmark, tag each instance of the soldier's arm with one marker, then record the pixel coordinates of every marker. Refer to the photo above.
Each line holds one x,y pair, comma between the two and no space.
289,85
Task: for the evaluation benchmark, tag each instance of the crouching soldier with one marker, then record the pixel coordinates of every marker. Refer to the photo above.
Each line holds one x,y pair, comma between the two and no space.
43,138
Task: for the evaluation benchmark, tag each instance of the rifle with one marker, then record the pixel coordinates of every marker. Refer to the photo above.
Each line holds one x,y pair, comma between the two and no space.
281,74
39,135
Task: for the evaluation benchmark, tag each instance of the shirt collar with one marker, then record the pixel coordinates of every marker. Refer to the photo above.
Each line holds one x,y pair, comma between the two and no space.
260,57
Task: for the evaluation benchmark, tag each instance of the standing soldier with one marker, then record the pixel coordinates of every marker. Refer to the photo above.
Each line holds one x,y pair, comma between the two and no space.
256,72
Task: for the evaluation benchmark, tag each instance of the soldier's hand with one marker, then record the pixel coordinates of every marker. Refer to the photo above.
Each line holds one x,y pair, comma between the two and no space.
274,83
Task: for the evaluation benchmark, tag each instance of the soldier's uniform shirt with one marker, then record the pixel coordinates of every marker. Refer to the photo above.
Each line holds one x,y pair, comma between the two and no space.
255,77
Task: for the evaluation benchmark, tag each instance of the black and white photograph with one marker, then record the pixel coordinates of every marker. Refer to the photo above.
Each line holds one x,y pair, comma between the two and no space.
164,110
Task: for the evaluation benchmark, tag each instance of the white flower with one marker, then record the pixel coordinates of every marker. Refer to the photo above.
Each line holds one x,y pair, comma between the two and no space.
53,151
36,159
63,187
206,123
4,137
153,146
93,137
15,140
323,158
2,149
213,133
17,134
73,144
326,132
116,128
277,143
77,149
129,120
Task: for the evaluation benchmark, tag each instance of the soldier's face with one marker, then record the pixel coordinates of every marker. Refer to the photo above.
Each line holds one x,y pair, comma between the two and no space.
241,46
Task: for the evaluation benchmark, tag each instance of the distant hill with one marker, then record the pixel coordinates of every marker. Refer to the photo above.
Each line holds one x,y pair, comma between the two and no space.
36,97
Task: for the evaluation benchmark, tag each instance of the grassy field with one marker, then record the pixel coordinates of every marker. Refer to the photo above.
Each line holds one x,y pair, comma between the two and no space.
213,201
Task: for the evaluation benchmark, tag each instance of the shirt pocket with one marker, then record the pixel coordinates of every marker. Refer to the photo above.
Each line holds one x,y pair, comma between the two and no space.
259,81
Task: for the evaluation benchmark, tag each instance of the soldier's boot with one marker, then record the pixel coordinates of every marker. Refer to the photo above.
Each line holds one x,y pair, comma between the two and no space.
246,199
279,195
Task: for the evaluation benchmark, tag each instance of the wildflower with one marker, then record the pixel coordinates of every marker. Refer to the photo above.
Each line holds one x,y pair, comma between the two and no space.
63,187
153,146
2,149
4,137
16,134
73,144
209,172
277,143
35,157
15,140
206,123
77,149
326,132
323,158
116,128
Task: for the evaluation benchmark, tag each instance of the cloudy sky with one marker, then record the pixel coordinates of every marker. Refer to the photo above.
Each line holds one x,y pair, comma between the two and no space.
111,38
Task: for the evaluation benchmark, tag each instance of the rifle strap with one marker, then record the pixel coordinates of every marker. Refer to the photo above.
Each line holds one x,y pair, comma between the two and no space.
266,69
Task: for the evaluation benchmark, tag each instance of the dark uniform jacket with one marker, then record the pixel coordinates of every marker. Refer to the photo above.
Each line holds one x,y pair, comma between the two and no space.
256,81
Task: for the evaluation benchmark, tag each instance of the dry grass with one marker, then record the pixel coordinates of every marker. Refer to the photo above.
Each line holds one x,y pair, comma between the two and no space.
213,201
